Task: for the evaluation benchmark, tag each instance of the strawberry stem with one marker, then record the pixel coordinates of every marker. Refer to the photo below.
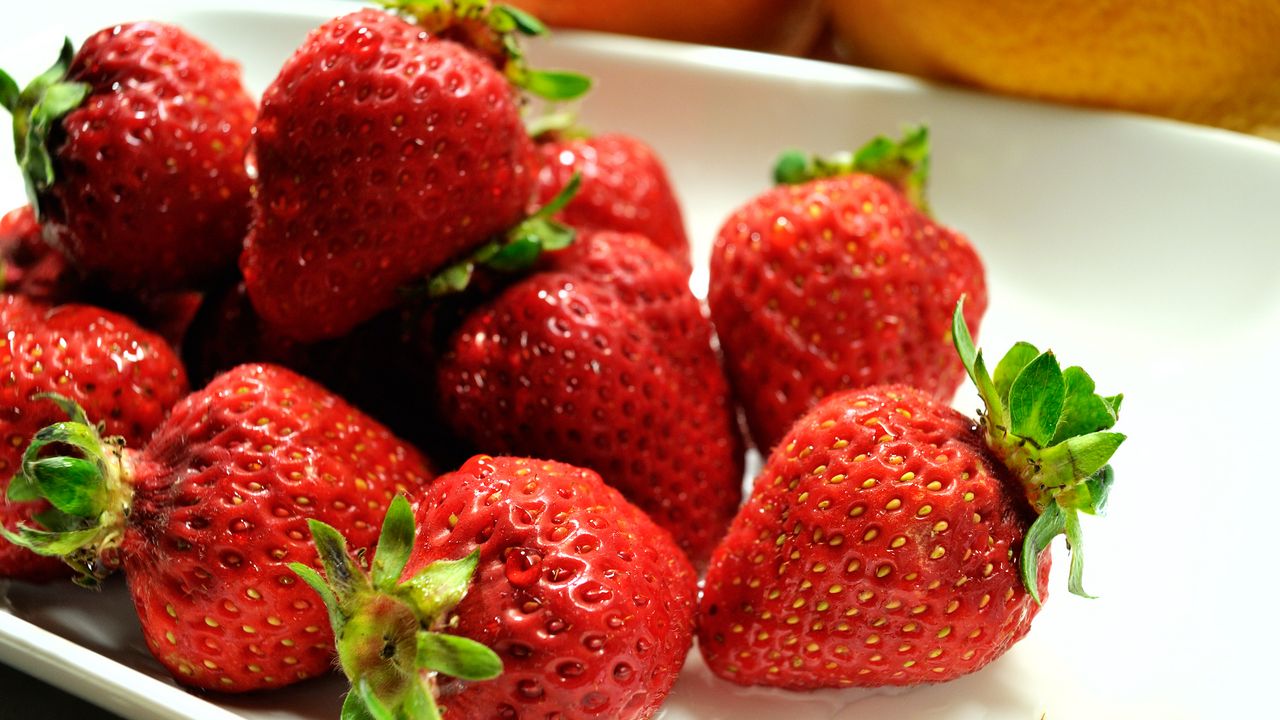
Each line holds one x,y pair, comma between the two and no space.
903,163
493,29
36,111
388,631
90,495
1052,431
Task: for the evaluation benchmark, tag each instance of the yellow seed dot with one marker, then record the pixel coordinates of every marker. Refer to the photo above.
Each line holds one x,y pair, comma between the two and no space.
945,631
924,510
287,642
835,590
839,444
823,606
911,627
856,510
968,497
935,486
275,621
171,612
866,595
937,552
803,496
919,609
774,593
853,566
907,477
898,542
873,639
836,541
836,479
869,483
819,470
986,569
940,526
211,664
984,601
870,535
951,607
893,504
908,663
827,424
799,603
210,622
737,629
171,638
975,633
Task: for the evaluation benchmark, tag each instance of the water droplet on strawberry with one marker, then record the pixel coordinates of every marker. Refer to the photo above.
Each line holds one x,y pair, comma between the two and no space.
523,567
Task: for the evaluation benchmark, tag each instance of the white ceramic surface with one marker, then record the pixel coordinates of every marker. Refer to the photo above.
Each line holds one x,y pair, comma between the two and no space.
1147,251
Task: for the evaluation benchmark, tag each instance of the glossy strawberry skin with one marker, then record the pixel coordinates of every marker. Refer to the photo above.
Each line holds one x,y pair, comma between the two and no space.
150,189
587,602
835,284
624,188
878,547
604,360
222,494
121,374
382,154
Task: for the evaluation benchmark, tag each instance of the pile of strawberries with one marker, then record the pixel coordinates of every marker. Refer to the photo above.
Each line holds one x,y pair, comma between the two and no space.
380,271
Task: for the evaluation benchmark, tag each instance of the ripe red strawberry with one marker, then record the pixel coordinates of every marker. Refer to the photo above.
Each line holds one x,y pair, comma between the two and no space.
604,360
624,188
119,372
207,515
30,267
839,282
134,152
384,152
890,540
586,603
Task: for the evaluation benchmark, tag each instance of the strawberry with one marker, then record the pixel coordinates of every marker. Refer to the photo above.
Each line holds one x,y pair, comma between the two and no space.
207,515
890,540
119,372
385,151
134,154
603,359
586,604
839,281
28,266
624,188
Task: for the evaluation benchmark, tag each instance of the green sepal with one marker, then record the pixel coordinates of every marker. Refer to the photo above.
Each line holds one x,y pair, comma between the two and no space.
556,85
387,631
1036,397
354,707
8,92
372,703
337,620
440,586
457,656
521,21
517,250
36,111
1049,525
394,544
88,491
561,125
1052,431
493,31
903,163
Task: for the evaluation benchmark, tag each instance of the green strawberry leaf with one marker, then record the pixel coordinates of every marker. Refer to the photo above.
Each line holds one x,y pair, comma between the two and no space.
418,704
522,21
453,279
70,484
1075,544
373,704
440,586
395,544
344,577
1076,458
975,366
792,168
1018,357
1036,398
903,163
22,488
457,656
8,92
53,544
1098,487
354,707
312,578
1049,525
556,85
1084,411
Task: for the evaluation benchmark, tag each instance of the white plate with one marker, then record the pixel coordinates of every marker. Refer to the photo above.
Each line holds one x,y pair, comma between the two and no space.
1147,251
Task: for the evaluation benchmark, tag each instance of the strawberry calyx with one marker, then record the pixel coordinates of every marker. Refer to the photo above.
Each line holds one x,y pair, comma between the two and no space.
903,163
36,111
1052,431
493,30
516,250
389,632
90,495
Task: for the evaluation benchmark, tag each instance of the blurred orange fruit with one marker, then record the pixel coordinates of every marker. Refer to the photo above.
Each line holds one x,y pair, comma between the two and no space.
1208,61
783,26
